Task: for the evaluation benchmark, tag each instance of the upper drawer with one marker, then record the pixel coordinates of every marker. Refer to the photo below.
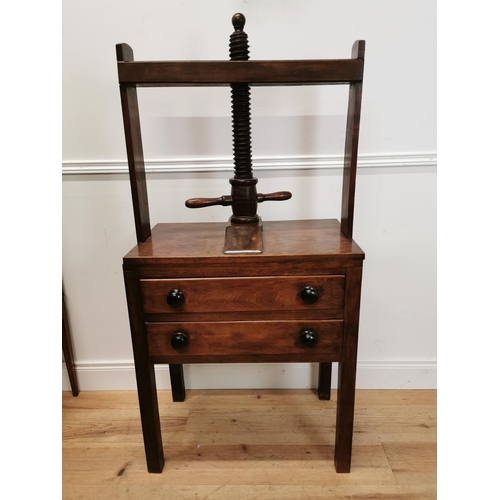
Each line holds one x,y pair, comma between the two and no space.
243,294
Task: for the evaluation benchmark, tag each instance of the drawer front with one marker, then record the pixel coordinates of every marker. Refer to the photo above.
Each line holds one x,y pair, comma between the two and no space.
283,293
245,341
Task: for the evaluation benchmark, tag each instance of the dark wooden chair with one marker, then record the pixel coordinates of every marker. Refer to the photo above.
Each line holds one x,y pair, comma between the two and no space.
296,299
67,348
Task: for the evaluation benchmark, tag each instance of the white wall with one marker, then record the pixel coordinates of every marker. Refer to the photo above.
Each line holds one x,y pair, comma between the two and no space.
298,135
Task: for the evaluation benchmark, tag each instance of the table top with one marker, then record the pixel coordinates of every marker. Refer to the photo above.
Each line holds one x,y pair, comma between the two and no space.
282,239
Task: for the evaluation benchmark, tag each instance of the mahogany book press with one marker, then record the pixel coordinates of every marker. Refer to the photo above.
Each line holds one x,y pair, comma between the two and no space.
249,290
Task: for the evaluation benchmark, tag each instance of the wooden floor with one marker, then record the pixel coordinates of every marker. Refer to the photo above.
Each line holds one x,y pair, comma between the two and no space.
250,444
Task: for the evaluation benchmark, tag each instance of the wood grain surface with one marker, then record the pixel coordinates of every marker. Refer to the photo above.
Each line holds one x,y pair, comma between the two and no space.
290,247
145,376
216,73
135,154
245,341
351,146
266,445
279,294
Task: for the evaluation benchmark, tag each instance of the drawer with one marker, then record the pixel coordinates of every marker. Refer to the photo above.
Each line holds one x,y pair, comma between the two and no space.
282,293
245,341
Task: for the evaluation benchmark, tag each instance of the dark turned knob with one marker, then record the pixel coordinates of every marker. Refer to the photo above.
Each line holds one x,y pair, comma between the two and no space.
308,338
175,298
309,294
238,21
179,340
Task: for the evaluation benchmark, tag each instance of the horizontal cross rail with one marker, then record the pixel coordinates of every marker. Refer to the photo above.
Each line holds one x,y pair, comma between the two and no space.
219,73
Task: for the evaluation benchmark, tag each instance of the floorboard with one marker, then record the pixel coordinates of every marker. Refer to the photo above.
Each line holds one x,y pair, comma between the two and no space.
250,444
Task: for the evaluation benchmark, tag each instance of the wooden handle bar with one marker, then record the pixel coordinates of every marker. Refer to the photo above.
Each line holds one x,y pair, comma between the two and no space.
208,202
279,196
228,200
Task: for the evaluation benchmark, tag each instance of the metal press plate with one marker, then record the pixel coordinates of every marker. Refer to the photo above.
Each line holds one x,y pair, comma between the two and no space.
243,238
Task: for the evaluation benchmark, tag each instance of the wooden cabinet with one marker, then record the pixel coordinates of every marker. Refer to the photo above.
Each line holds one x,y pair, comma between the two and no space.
298,301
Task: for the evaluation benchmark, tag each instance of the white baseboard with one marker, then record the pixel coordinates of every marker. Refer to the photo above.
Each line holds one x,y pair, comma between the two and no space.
370,375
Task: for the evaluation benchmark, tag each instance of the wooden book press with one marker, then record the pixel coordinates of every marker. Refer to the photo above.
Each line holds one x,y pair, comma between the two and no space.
246,291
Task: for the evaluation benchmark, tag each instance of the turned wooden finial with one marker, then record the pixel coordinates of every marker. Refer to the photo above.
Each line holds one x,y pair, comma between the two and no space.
238,41
238,21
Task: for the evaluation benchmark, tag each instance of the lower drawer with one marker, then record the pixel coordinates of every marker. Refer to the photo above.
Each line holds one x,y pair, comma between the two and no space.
245,341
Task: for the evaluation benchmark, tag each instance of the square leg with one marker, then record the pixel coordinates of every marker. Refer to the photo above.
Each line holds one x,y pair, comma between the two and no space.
150,417
345,417
347,372
145,375
325,381
177,383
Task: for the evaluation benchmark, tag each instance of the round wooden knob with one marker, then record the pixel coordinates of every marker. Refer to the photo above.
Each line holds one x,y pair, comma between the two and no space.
238,21
179,340
308,338
309,294
175,298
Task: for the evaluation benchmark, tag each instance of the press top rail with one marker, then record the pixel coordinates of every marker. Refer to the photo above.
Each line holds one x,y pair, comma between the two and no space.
222,73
